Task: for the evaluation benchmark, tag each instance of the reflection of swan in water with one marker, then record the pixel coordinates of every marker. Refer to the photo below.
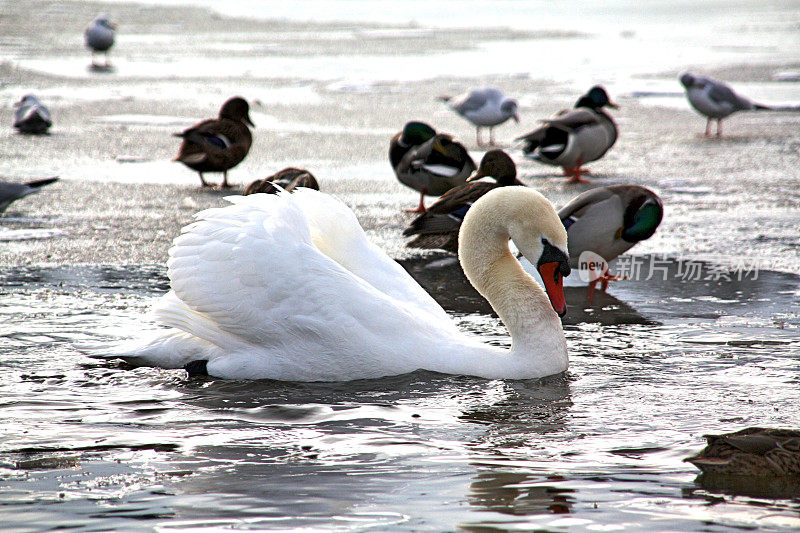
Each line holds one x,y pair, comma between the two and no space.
521,425
288,287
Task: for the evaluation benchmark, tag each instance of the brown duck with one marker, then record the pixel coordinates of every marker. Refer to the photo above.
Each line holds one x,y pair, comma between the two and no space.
751,452
217,145
439,226
288,179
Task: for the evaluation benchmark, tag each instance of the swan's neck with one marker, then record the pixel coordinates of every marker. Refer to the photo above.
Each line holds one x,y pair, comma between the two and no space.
519,301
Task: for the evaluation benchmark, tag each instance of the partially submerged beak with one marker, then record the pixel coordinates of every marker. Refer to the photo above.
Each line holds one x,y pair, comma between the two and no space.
554,285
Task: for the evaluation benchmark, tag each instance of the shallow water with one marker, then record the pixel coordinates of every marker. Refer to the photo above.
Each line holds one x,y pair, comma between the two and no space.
96,444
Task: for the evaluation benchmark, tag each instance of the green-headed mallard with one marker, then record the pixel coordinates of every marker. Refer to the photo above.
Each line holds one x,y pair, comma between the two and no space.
574,138
608,221
434,167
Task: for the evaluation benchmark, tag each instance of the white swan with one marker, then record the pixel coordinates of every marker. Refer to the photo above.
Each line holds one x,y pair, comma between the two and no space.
288,287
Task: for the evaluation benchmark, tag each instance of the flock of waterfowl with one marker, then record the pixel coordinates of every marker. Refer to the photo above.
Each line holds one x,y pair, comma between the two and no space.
288,287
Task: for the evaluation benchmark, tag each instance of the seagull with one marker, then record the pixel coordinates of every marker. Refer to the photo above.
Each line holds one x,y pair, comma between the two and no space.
487,106
10,191
31,115
100,37
715,99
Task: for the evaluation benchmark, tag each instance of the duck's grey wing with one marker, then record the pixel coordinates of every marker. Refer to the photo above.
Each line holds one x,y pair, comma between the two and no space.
574,119
580,203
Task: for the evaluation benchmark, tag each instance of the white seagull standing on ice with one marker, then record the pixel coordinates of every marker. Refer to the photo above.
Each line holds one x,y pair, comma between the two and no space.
487,106
715,99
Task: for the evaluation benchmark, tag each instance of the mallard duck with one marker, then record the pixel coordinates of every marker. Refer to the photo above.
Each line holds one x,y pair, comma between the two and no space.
487,106
434,167
608,221
439,226
32,116
574,138
413,134
751,452
287,287
288,179
715,100
217,145
9,191
99,37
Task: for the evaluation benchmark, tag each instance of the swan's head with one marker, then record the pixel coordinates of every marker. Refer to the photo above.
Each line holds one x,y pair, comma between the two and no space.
530,220
539,234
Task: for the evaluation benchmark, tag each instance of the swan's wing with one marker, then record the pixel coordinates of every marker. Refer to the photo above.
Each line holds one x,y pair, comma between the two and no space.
335,230
255,271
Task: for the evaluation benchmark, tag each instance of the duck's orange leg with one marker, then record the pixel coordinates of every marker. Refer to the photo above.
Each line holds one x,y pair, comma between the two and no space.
603,280
421,207
574,174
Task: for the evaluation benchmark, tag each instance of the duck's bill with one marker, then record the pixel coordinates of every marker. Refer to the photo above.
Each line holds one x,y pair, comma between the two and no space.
554,285
612,105
476,175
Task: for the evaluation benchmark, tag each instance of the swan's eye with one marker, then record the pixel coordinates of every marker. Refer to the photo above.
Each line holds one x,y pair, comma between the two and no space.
551,254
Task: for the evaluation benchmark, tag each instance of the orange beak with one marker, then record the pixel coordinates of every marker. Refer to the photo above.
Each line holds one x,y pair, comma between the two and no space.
554,285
